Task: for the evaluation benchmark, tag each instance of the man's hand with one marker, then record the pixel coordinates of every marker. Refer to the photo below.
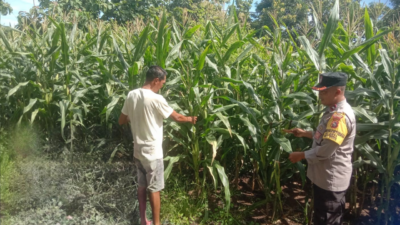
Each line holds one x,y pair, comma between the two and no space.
294,157
296,132
181,118
299,132
192,119
123,119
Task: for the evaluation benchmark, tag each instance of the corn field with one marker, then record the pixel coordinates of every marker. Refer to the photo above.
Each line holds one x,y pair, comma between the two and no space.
70,79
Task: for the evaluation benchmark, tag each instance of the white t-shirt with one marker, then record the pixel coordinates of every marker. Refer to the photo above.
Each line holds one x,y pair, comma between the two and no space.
146,111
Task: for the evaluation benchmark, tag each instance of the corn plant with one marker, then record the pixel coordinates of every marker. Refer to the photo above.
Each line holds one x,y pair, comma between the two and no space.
70,76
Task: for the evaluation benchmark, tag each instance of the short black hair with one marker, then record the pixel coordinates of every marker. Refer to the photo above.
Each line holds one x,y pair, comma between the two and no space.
155,72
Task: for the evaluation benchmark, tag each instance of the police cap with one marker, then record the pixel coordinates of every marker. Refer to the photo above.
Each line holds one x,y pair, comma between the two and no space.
331,79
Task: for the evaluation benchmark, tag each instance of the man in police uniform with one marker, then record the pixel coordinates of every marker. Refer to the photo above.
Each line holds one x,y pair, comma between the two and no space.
329,159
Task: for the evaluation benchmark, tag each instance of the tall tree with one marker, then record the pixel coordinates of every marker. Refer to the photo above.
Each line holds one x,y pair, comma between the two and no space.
123,10
395,3
297,13
199,11
291,12
119,10
5,8
244,6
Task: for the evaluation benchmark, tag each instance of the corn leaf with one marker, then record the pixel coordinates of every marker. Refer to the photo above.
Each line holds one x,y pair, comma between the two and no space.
369,33
329,29
225,183
30,105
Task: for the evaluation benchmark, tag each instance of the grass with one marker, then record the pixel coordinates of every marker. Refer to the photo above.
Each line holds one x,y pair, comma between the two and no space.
7,167
181,205
177,206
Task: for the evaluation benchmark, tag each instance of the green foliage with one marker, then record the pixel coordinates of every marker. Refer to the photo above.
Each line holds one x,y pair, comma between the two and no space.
7,168
289,12
395,3
181,206
244,6
5,8
177,206
378,11
119,10
69,75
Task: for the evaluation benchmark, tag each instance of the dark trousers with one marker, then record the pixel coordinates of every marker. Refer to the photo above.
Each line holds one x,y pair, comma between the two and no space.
329,206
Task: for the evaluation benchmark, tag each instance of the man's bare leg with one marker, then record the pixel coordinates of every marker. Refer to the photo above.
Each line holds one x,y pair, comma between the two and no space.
155,203
142,196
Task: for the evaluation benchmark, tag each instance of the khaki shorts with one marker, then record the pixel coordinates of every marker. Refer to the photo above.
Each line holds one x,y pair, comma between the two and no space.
150,174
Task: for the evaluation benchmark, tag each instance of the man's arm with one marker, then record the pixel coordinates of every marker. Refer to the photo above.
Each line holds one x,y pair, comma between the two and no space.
300,133
297,156
317,154
123,119
182,119
322,152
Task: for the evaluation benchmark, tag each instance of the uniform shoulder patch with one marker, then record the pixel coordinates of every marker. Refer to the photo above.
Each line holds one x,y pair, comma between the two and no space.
336,129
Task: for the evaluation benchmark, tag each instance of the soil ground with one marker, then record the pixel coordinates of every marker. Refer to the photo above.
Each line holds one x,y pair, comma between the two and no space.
293,203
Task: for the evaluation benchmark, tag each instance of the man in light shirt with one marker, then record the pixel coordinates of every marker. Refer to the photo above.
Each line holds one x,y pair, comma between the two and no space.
146,110
329,159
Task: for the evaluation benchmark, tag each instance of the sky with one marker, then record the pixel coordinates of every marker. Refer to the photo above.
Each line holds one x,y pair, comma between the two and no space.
17,5
25,5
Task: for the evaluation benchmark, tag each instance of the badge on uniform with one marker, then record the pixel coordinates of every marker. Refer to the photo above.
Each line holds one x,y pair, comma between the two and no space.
335,120
317,135
336,129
